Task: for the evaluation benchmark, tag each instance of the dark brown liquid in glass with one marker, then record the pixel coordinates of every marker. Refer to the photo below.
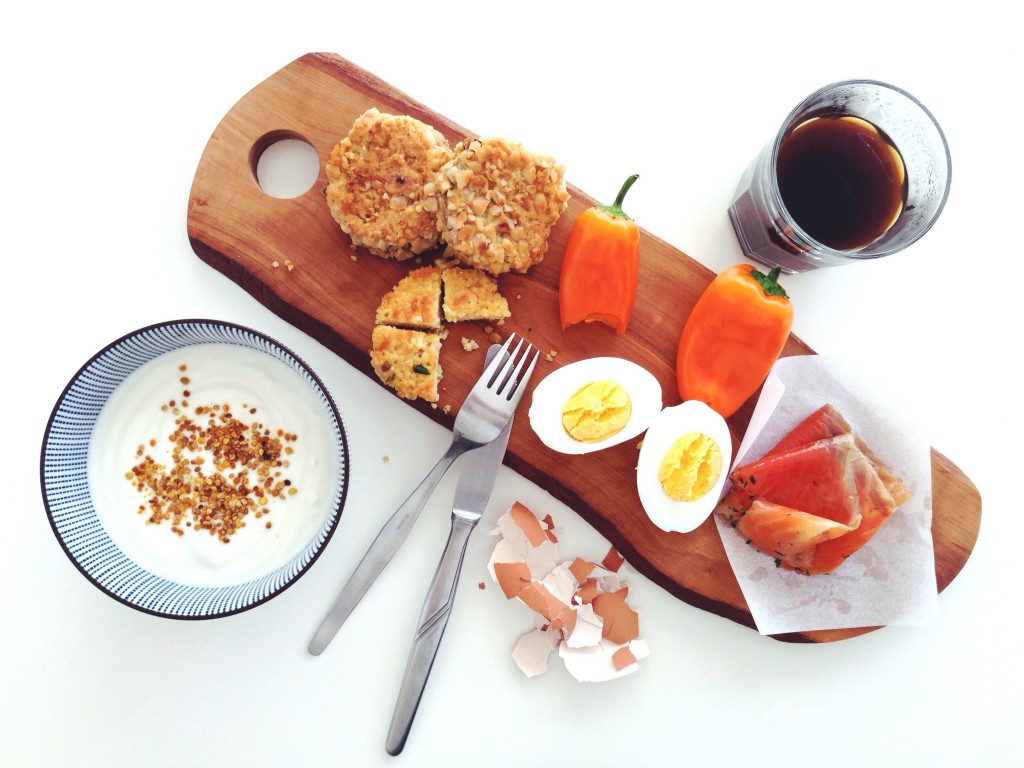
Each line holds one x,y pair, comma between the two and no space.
842,180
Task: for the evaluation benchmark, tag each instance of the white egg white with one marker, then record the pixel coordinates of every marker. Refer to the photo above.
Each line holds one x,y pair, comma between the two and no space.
671,424
551,394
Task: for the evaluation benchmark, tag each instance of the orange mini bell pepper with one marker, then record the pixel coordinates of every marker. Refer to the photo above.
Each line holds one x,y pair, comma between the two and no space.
599,269
732,338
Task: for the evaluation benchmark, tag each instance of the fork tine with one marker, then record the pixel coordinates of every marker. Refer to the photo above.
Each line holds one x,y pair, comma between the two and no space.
501,381
518,378
497,364
520,384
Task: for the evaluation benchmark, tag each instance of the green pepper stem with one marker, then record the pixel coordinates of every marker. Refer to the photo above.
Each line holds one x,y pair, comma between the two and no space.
615,209
770,282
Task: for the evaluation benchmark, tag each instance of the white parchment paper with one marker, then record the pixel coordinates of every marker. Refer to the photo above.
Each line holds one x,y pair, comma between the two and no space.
891,579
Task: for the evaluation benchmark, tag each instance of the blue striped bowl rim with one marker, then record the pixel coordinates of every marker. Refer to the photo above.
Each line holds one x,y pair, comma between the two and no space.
67,497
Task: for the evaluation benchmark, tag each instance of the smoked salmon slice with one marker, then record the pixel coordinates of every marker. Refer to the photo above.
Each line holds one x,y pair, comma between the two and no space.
818,478
828,422
789,534
815,498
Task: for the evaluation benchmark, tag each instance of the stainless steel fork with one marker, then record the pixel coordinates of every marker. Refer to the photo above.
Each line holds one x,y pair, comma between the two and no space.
488,408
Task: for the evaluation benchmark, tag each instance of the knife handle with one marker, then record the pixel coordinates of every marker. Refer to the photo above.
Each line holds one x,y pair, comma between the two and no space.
383,548
433,619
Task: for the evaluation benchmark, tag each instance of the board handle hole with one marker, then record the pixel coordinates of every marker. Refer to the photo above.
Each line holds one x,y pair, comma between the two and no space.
284,164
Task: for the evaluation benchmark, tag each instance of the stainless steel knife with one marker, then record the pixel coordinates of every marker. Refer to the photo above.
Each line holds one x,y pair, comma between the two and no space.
476,479
488,408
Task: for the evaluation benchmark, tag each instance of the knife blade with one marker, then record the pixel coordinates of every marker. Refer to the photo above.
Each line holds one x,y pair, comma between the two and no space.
477,476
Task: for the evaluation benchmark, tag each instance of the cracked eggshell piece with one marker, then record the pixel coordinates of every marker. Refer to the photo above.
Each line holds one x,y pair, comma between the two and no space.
554,391
670,425
588,629
621,623
604,661
524,538
532,651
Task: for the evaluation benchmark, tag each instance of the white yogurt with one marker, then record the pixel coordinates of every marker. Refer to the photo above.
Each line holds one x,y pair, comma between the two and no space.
217,374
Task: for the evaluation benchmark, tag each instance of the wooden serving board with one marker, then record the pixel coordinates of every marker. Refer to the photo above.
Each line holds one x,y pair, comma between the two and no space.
332,290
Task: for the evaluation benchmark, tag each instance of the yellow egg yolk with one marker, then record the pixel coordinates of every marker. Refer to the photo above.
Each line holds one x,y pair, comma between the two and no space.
690,467
596,410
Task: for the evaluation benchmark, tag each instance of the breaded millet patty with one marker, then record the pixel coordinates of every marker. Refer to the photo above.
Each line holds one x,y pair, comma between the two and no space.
498,203
415,302
408,361
471,294
381,183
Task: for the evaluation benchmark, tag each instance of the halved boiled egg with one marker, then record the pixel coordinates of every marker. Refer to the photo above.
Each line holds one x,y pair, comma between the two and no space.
682,466
593,404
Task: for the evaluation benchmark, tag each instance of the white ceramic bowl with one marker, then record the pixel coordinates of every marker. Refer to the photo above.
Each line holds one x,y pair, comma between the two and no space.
70,502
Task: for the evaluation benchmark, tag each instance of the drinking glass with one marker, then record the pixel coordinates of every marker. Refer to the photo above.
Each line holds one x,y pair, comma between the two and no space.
765,227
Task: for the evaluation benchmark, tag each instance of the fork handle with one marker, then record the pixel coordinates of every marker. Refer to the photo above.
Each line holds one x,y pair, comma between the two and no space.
383,548
433,620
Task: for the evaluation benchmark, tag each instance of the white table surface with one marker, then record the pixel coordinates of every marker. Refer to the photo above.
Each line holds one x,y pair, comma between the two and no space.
107,110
